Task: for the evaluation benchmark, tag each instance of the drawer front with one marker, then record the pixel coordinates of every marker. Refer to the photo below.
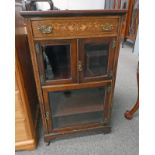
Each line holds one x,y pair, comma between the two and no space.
75,27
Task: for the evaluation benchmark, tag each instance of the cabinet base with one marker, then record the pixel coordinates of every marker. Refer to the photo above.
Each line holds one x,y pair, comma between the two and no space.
26,145
81,132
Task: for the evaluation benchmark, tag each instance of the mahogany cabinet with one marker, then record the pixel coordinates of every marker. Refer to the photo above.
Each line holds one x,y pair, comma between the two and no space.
74,55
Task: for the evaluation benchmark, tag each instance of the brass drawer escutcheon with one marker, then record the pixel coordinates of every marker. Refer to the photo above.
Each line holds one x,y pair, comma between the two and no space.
107,27
45,29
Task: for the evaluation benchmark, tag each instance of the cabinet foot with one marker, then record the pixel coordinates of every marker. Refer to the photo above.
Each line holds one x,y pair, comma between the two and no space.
122,44
48,143
128,115
107,130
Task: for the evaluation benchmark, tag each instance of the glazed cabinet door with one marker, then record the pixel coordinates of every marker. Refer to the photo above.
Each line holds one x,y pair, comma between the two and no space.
96,56
77,108
56,61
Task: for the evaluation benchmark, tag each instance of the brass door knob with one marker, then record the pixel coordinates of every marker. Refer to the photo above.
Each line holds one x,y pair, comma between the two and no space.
80,66
45,29
47,115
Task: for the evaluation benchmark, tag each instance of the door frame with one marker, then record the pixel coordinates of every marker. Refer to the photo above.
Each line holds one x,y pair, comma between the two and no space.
112,46
73,60
65,87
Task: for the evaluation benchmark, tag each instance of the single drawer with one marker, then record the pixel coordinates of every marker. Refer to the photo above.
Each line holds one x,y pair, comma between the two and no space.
69,27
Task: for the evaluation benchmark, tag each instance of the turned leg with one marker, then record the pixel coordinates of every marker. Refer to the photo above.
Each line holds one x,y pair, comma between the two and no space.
49,140
48,143
129,114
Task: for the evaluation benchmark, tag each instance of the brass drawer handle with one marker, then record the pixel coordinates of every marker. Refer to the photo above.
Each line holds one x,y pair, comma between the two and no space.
107,27
45,29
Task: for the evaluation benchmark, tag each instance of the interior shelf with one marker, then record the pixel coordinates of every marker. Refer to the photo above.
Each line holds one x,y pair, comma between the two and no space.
76,102
96,59
77,120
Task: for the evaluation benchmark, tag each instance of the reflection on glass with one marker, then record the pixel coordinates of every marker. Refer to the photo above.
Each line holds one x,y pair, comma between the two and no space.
57,62
77,107
96,59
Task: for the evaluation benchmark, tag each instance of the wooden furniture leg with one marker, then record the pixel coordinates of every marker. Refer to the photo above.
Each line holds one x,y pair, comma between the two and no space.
129,114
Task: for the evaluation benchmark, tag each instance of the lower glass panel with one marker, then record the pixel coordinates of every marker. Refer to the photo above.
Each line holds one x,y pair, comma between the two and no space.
77,107
75,120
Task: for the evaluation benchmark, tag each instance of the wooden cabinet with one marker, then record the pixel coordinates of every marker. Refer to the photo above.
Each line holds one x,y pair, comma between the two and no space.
25,123
26,101
74,56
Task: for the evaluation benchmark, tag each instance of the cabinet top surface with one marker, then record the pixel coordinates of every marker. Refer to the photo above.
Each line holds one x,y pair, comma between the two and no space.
46,8
67,13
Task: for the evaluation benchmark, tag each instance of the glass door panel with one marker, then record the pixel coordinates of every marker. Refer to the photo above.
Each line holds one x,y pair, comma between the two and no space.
75,120
96,59
77,107
95,55
55,61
